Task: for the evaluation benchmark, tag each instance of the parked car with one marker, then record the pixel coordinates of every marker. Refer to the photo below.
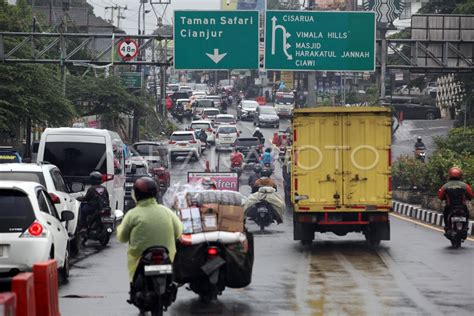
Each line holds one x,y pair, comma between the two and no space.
31,228
246,109
155,153
250,147
228,119
413,108
266,116
184,143
207,126
61,195
137,170
226,135
210,114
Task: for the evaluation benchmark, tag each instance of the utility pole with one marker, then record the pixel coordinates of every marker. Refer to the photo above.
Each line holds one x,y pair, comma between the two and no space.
119,14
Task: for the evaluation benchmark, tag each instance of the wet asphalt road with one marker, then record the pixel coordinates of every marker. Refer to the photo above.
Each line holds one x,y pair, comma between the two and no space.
415,273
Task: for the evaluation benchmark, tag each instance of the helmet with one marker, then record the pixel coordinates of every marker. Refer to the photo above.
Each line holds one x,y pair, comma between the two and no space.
266,172
418,138
268,150
144,188
257,128
208,184
257,168
455,173
95,177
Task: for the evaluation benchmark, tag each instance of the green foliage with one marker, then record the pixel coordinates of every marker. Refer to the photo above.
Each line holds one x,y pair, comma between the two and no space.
406,172
441,6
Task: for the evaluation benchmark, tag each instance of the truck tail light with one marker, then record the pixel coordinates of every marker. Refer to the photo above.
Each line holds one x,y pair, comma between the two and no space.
107,177
294,135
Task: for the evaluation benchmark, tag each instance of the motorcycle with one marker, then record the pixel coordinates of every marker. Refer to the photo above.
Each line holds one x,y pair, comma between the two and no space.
457,227
420,154
269,166
211,282
179,114
237,168
99,226
263,216
152,287
283,153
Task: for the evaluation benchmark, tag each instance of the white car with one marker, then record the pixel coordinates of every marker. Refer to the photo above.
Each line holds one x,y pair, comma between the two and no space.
246,109
226,135
210,113
207,126
51,178
184,143
31,229
228,119
185,89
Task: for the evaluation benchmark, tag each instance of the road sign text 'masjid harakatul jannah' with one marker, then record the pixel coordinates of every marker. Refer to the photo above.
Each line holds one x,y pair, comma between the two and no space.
328,41
216,40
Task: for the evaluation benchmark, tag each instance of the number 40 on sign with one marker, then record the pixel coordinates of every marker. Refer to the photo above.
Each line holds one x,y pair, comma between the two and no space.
127,49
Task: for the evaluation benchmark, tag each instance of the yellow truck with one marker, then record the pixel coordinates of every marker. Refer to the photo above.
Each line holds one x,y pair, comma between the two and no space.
341,172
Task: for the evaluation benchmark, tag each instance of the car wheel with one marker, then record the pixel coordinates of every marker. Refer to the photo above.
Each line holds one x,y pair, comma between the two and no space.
64,270
76,242
430,116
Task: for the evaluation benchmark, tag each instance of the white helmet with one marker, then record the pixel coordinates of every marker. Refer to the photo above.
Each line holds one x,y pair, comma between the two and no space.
257,129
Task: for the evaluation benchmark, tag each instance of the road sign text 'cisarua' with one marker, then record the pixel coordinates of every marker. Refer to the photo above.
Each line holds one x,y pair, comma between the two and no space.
216,40
331,41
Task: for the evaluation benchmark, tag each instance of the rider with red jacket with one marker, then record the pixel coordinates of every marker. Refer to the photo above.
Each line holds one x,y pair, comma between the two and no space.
455,192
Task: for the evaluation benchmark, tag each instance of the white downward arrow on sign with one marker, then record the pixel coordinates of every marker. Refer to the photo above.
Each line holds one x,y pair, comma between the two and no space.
216,57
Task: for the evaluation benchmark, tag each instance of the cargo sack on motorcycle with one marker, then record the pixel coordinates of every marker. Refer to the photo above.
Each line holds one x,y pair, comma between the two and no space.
188,261
239,266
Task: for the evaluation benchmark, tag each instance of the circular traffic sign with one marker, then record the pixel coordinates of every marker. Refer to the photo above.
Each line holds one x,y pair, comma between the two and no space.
127,49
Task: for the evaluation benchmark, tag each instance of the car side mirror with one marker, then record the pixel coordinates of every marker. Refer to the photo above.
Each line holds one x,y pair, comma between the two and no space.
67,216
77,187
133,169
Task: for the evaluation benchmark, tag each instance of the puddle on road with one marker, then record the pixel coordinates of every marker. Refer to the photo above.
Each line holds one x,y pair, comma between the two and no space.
82,296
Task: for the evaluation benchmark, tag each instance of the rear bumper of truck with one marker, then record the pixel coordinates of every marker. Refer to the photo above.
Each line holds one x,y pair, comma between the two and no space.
341,223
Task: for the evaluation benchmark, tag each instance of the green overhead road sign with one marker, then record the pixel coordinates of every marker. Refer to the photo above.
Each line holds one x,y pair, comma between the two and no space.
216,40
327,41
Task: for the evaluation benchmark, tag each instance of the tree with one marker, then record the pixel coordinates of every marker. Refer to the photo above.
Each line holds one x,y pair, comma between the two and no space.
442,6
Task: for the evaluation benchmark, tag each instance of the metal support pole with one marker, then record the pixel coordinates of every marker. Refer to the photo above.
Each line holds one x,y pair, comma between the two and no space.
383,63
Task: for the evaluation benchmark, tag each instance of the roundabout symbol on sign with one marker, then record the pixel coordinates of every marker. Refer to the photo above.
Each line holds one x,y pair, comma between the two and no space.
127,49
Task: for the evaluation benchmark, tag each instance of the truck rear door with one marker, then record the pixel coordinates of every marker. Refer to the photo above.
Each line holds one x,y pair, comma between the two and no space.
317,168
367,137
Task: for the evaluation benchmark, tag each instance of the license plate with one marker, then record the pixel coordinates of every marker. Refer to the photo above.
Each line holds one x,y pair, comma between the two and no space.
227,138
107,220
128,184
184,145
158,269
458,219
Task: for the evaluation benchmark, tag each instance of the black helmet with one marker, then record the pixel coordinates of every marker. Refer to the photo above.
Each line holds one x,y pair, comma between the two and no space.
266,172
95,177
145,187
268,150
257,168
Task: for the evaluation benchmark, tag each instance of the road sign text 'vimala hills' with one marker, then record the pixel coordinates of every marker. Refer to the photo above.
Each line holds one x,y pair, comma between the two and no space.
327,41
216,39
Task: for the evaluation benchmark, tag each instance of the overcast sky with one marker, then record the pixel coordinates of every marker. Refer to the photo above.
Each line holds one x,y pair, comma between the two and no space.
130,23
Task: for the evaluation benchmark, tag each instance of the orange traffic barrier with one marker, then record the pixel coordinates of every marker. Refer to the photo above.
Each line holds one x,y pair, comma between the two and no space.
8,303
46,288
23,286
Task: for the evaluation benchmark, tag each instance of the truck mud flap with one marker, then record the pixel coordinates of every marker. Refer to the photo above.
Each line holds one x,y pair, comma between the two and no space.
302,231
380,231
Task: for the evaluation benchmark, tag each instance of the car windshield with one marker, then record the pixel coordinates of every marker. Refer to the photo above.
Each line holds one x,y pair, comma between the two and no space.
16,212
203,103
285,99
197,126
227,130
147,149
225,119
267,110
182,137
249,104
211,112
76,159
37,177
247,142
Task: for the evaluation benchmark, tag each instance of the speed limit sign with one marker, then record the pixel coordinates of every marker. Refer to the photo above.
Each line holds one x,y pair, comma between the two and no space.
127,49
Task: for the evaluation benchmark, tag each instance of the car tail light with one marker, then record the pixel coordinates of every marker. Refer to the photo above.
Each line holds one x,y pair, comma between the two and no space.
209,129
54,198
107,177
192,142
35,230
212,252
171,142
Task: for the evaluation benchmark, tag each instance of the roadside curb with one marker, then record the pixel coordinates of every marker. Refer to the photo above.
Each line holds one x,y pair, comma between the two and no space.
427,216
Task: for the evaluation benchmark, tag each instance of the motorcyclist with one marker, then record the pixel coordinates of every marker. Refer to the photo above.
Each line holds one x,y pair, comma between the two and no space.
96,198
455,192
236,158
201,134
264,180
208,184
148,224
419,145
259,135
257,169
267,157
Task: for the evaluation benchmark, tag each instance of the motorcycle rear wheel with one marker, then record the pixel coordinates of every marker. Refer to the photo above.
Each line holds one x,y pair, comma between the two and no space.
456,243
105,240
157,309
